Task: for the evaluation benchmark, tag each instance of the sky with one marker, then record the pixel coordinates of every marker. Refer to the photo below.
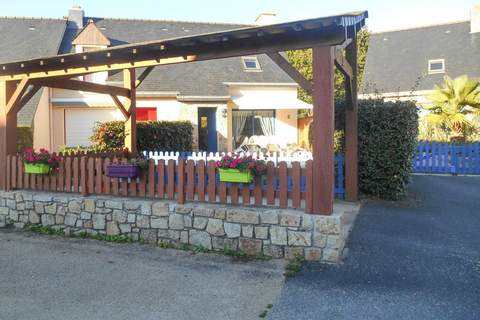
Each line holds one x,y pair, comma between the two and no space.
384,14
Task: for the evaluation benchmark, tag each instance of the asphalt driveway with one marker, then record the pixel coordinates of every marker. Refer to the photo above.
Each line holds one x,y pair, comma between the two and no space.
45,277
418,259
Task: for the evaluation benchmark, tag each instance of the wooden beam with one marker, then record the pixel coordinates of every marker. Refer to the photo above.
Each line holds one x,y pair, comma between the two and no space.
144,74
17,95
71,72
27,96
130,106
343,65
323,130
83,86
120,106
351,127
345,44
116,59
285,65
8,129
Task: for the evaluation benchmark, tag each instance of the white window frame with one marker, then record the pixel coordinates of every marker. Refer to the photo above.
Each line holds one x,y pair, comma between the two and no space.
257,69
430,62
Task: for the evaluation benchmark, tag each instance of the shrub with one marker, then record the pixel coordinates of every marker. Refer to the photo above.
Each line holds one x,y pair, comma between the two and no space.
165,135
151,136
24,138
387,139
108,135
387,136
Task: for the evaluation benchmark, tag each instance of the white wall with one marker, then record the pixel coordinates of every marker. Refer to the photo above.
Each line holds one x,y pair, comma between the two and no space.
42,128
286,125
265,97
282,99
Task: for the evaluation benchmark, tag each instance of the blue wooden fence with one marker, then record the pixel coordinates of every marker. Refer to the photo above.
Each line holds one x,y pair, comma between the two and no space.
438,157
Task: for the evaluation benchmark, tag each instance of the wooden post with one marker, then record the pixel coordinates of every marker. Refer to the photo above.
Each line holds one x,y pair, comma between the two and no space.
351,127
323,128
8,129
130,104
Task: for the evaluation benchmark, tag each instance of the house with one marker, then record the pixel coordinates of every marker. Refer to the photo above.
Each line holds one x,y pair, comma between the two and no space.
407,64
228,100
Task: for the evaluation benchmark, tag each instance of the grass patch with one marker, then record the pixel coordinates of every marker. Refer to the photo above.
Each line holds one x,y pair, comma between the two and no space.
120,238
84,235
243,255
200,249
165,244
233,253
294,266
46,230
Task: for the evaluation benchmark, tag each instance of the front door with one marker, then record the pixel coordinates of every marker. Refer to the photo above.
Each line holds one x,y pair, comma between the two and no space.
207,129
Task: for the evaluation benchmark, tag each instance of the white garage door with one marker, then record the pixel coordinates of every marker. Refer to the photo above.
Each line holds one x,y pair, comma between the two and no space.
79,124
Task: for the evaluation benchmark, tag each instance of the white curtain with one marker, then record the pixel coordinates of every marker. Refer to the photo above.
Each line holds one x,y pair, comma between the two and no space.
267,122
239,120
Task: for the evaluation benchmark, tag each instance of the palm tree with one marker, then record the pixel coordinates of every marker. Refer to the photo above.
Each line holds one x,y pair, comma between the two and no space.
454,105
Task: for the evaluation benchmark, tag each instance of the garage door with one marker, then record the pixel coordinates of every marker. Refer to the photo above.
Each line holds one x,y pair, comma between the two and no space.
79,124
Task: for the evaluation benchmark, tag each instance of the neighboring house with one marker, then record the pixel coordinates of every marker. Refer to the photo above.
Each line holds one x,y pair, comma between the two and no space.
407,64
226,100
27,38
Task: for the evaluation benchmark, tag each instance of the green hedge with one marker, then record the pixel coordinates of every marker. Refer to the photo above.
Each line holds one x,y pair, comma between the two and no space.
387,136
24,138
151,135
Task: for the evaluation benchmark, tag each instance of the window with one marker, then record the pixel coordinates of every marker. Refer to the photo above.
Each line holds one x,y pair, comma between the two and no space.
436,66
146,114
248,123
251,64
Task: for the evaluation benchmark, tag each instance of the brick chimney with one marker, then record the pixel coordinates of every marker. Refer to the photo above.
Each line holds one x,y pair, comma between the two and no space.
75,17
475,19
265,18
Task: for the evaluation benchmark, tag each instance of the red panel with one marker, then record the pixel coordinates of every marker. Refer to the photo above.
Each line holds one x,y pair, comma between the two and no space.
145,114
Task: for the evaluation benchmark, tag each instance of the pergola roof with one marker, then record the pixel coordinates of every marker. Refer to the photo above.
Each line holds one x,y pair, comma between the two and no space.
328,31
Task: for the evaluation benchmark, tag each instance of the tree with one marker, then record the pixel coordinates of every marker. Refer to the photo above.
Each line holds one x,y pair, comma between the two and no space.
454,105
302,60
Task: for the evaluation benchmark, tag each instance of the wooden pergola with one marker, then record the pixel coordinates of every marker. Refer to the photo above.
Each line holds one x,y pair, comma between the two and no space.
333,40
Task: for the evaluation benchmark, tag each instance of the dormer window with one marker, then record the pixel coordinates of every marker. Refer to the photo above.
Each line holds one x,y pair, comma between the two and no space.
251,64
436,66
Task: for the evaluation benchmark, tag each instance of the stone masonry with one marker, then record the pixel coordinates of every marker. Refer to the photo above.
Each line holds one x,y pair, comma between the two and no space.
274,232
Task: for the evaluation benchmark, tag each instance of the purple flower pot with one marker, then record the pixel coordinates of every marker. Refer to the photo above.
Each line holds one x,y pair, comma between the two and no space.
123,170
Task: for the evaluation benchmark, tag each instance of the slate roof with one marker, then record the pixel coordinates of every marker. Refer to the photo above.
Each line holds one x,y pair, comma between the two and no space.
27,38
397,61
202,78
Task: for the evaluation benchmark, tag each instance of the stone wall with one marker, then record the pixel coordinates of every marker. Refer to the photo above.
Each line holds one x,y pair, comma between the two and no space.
273,232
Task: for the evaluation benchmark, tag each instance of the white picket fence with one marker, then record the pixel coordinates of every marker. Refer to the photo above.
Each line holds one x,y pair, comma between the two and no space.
275,157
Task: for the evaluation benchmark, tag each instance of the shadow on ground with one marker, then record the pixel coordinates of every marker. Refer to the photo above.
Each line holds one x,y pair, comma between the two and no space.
416,259
45,277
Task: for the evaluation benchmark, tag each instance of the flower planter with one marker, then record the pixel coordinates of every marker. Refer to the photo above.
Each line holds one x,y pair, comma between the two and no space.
235,175
37,168
123,170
